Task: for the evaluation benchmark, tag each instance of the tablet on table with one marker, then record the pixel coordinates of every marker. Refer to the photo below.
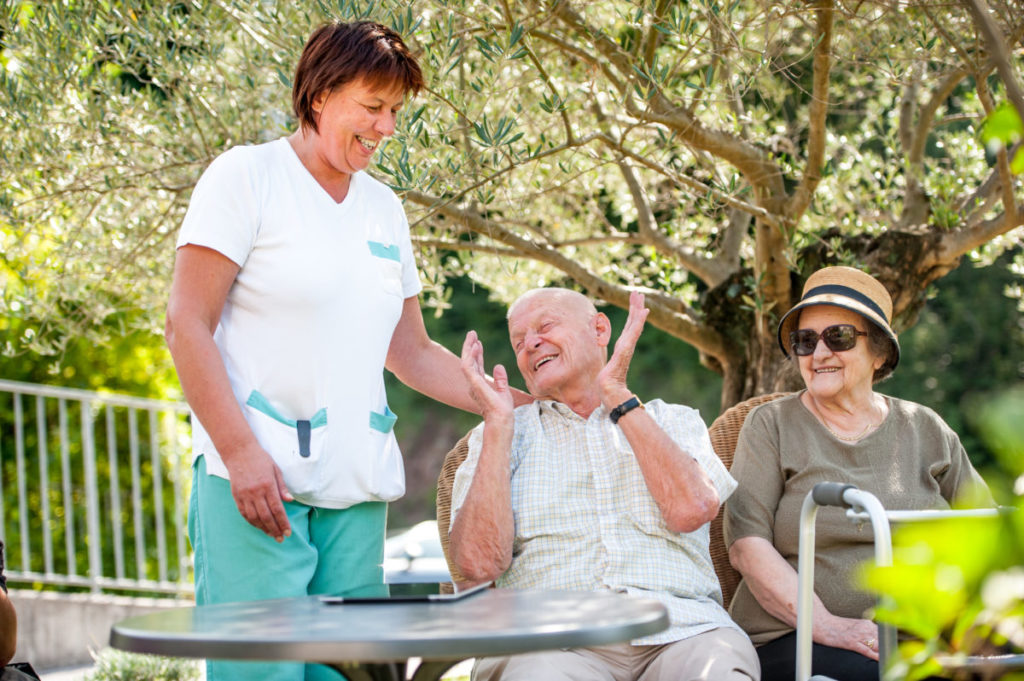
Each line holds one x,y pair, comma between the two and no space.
408,592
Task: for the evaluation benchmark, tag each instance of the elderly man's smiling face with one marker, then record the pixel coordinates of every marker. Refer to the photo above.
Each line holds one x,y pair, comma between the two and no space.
560,342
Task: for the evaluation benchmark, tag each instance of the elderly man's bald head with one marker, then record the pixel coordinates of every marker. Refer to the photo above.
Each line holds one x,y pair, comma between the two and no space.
572,300
561,344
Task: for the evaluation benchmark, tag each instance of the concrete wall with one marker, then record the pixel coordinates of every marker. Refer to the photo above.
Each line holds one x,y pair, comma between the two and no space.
60,630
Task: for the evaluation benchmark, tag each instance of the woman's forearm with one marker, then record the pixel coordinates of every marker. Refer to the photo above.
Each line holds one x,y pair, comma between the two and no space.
428,367
207,389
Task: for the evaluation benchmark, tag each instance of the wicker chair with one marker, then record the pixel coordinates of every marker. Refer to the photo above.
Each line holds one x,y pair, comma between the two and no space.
452,460
724,433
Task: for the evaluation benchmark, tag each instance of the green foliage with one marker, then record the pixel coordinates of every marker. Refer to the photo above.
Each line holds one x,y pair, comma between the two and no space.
619,144
968,341
114,665
1002,130
116,358
958,585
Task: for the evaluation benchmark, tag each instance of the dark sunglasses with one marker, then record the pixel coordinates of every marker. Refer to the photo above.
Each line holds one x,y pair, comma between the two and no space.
837,338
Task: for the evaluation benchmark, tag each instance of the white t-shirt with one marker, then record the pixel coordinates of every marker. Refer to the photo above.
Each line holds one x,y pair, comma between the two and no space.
307,323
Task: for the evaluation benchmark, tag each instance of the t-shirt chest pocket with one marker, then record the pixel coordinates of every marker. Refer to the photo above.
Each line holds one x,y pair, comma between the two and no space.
387,262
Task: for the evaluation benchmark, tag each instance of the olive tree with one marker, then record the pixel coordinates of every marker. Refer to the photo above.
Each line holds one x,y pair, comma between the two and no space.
711,154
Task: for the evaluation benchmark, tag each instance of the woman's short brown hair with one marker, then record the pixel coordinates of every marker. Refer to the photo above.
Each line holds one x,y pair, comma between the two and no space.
339,53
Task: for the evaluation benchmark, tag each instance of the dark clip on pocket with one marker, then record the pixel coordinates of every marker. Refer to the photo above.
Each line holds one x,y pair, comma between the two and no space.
304,431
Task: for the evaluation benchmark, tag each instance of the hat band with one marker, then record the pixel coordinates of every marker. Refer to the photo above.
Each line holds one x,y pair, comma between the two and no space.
835,289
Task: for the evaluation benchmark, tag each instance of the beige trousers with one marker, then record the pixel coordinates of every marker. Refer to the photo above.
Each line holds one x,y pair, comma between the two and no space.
716,655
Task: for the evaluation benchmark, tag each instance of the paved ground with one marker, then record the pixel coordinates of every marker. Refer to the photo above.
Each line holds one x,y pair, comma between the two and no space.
65,673
459,671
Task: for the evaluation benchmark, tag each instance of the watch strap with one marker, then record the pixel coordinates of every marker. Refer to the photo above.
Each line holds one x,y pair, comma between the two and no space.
624,408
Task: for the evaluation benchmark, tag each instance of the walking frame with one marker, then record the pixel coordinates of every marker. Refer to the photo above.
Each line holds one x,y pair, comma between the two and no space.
861,506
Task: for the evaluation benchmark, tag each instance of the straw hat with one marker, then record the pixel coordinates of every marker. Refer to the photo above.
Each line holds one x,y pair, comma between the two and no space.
848,288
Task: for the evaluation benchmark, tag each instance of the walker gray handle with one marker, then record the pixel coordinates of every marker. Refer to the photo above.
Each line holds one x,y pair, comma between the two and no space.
831,493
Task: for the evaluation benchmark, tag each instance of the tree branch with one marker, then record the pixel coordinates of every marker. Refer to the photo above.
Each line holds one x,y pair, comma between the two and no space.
926,116
654,36
458,196
997,47
754,164
667,313
585,56
1002,158
816,124
908,107
915,203
707,270
953,244
696,185
732,239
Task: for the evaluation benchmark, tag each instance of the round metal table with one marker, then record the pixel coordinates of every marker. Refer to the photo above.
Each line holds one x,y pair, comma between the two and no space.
370,642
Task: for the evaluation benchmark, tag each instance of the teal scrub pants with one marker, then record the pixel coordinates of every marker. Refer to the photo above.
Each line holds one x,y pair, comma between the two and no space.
329,550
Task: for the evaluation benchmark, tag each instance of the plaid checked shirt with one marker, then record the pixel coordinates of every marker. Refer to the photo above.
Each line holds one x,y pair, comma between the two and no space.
585,521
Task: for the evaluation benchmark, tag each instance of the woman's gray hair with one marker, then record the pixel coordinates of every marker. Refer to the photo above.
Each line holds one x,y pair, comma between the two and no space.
881,346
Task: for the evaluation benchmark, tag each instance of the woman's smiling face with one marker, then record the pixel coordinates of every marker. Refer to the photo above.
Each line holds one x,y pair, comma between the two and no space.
352,120
828,374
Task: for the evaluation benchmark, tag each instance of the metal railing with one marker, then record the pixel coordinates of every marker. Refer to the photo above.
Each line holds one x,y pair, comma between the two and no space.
93,489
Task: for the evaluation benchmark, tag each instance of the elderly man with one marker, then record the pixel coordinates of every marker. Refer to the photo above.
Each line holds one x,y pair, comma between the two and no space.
587,489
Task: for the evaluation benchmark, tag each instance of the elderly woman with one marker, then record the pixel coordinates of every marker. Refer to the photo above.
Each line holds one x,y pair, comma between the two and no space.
837,429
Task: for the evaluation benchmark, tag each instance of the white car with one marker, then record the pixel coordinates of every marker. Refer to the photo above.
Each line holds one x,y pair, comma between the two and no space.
415,555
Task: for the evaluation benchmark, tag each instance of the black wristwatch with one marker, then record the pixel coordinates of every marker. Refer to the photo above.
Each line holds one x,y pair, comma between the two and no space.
627,406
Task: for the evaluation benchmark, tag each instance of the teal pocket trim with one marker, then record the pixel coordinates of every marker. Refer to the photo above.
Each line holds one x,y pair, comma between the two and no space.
383,423
261,404
384,251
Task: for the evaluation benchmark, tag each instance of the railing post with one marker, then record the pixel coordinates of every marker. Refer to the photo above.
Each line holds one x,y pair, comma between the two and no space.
67,488
3,501
115,495
177,470
92,508
140,537
19,455
158,496
44,484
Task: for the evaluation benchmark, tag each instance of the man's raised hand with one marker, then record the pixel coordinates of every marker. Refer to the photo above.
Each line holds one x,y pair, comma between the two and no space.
612,378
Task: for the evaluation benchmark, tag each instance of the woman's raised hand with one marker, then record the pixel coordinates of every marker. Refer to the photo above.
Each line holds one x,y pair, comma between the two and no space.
494,397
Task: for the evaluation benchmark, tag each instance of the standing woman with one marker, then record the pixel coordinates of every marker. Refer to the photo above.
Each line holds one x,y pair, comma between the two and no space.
294,287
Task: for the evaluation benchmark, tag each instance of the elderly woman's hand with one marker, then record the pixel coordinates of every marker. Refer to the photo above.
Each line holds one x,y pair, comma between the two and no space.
773,581
860,636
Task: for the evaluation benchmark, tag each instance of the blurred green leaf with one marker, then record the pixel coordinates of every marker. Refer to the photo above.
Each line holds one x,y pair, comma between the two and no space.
1003,126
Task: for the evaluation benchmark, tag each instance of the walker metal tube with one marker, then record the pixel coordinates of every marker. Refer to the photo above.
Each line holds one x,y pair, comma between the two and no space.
846,496
856,515
866,502
860,506
805,590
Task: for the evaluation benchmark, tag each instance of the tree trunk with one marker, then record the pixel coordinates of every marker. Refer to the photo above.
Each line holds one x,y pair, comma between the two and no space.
906,263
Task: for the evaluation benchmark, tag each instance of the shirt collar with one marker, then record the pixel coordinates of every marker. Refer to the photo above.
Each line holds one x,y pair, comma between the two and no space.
559,409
